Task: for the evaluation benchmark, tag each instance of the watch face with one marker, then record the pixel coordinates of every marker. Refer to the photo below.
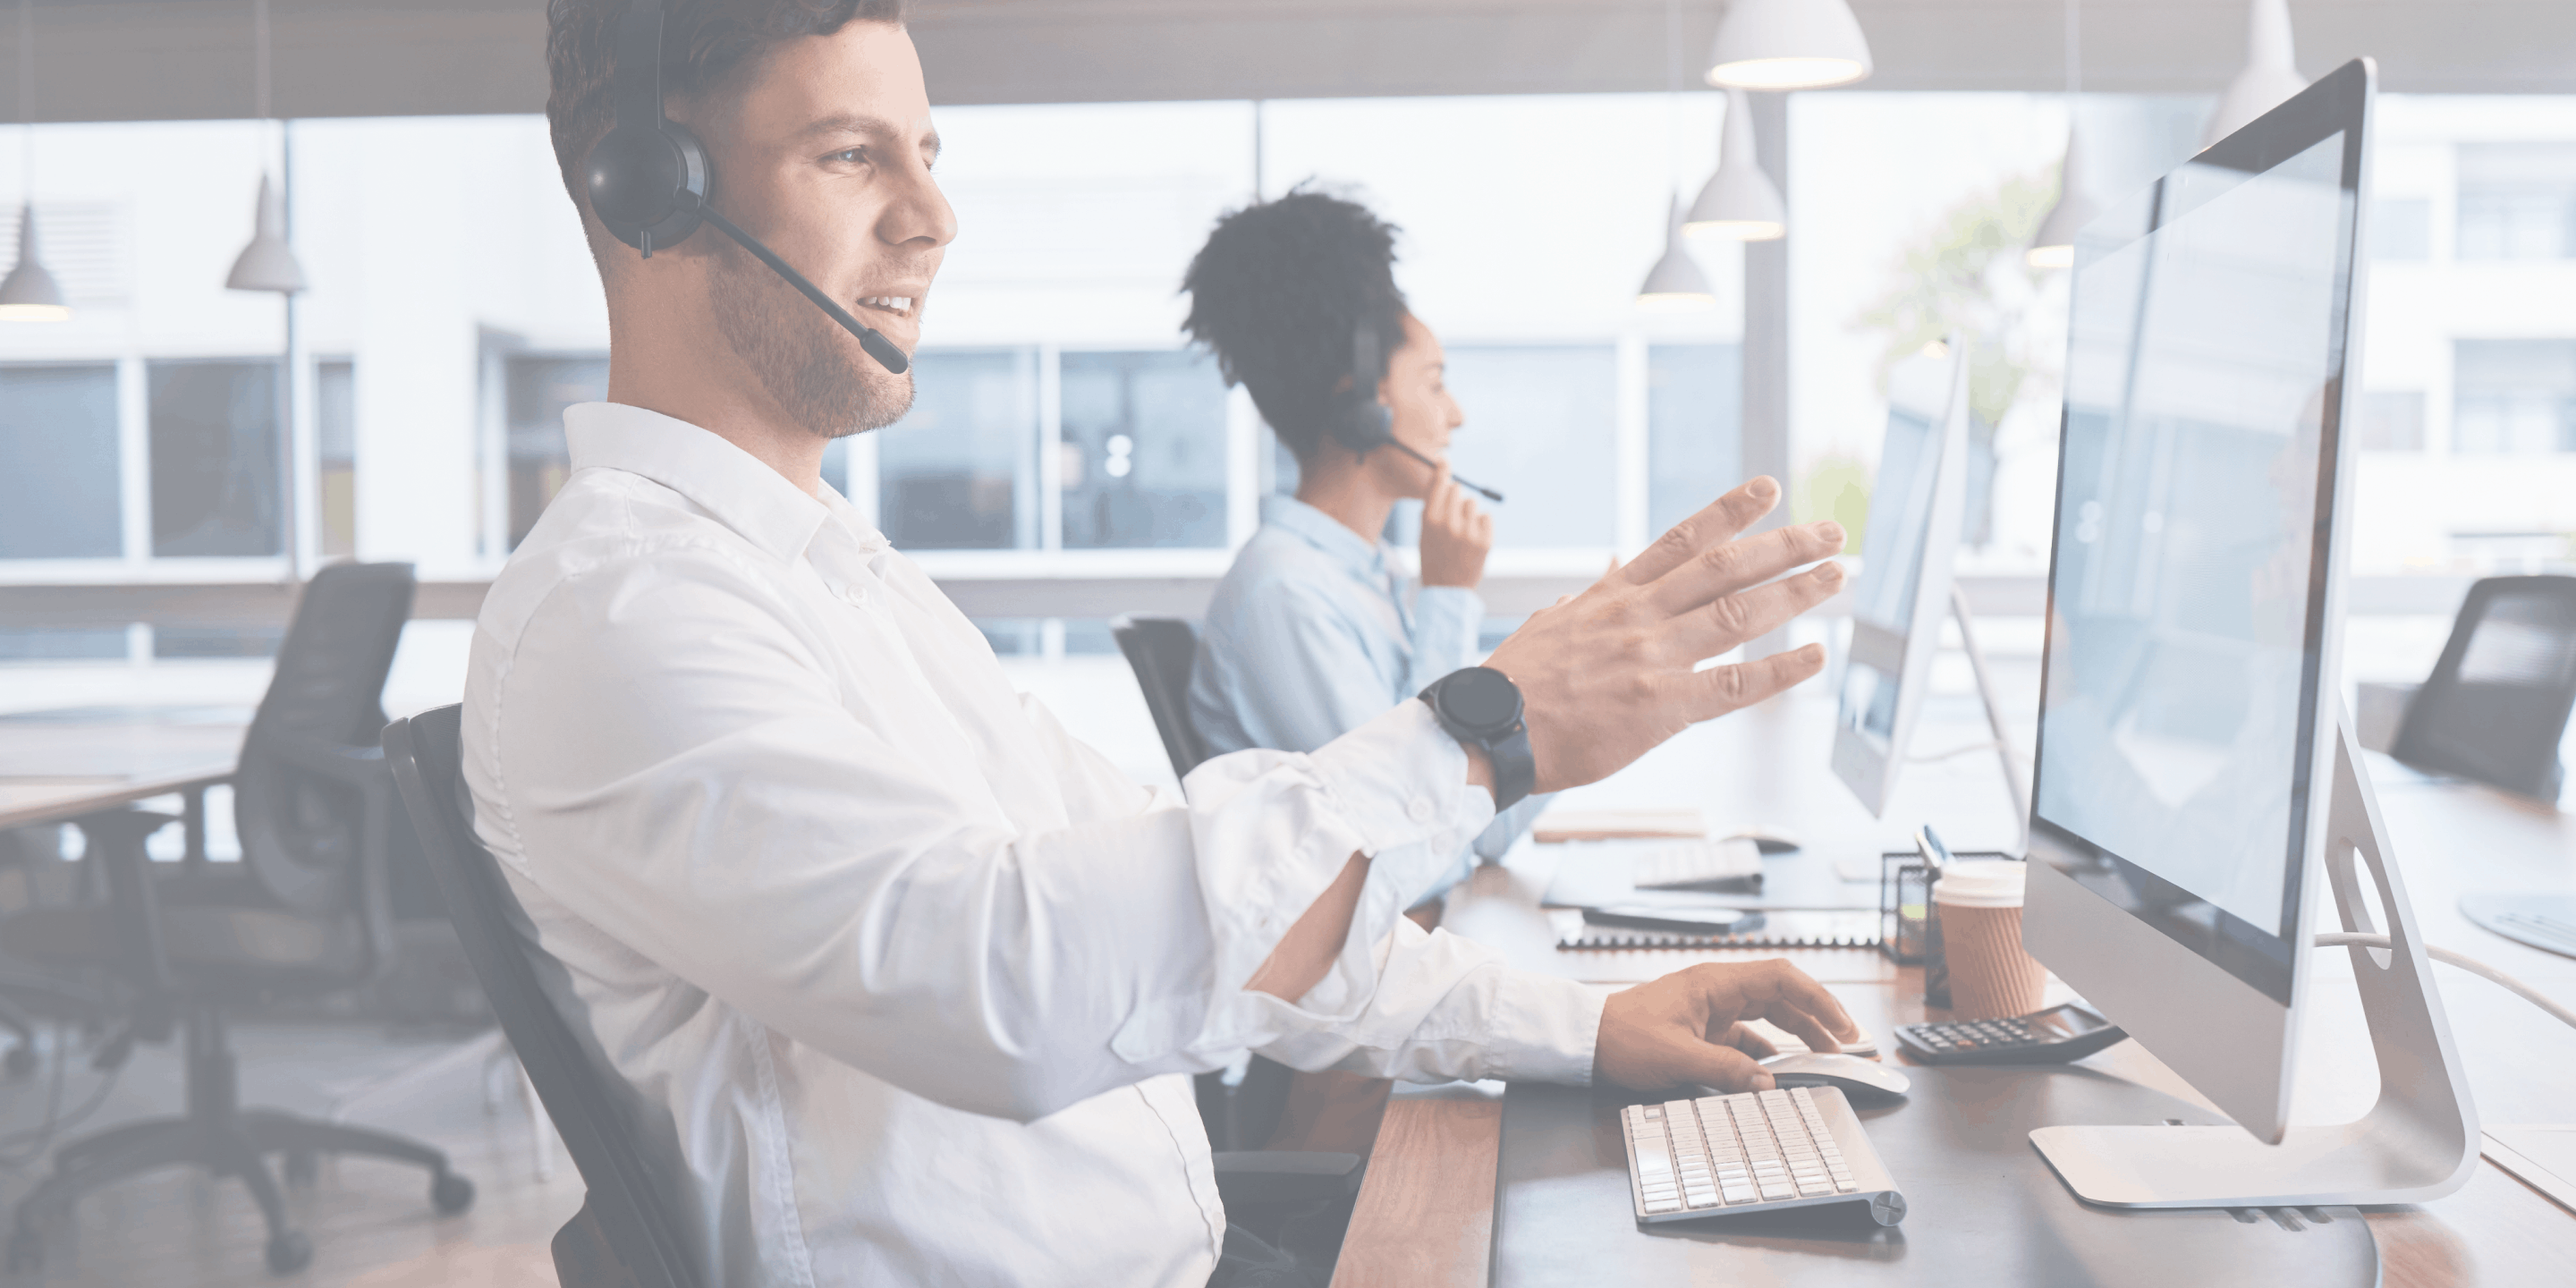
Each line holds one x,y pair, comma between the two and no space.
1481,699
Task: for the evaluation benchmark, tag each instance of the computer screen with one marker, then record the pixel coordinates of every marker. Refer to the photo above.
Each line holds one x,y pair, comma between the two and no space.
1891,567
2187,597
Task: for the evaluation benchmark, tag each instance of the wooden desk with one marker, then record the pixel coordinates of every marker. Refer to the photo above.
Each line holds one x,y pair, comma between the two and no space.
1426,1210
57,770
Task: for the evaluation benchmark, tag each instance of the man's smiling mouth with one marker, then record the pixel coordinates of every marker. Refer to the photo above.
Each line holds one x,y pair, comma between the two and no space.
898,305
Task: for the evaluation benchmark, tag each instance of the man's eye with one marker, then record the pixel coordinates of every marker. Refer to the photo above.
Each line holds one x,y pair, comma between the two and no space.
850,156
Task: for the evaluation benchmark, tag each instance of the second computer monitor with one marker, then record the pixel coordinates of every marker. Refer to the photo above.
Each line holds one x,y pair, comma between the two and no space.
1903,591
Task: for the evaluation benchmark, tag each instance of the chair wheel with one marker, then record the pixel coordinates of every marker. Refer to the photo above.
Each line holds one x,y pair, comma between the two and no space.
26,1252
451,1193
20,1061
302,1167
289,1252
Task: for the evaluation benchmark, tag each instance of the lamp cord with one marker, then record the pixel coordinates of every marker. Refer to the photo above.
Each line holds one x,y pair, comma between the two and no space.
27,101
2469,964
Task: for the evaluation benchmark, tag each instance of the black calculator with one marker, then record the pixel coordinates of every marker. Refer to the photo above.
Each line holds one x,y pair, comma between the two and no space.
2053,1036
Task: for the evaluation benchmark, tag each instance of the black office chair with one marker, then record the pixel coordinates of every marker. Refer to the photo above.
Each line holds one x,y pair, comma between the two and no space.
625,1235
1241,1118
2496,705
302,914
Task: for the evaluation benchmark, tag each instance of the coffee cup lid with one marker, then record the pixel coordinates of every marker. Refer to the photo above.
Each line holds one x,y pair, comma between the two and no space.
1981,883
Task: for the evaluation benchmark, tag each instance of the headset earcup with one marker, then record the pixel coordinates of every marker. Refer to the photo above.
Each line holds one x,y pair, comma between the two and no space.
649,184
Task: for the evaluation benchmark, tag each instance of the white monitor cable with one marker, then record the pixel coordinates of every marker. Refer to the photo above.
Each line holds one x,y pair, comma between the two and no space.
2469,964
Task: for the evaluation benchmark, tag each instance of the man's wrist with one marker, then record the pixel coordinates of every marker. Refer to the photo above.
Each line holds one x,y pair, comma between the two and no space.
1480,767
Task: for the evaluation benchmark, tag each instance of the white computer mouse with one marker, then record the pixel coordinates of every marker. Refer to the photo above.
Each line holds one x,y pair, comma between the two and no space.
1769,840
1850,1074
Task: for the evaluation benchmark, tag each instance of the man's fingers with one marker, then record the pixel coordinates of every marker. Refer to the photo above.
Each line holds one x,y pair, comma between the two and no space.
1721,624
1726,1069
1814,1032
1734,566
1715,525
1787,983
1744,1038
1720,689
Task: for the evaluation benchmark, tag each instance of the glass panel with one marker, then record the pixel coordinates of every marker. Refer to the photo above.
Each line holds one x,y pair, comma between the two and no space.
1540,420
335,428
1694,429
214,458
540,388
2514,396
958,472
1144,450
2517,200
62,644
58,457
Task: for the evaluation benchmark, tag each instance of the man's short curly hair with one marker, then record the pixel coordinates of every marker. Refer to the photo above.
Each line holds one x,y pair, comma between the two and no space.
1277,293
704,43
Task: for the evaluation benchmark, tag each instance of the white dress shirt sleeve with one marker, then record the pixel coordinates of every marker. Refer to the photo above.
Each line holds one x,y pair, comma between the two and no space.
1448,1008
760,830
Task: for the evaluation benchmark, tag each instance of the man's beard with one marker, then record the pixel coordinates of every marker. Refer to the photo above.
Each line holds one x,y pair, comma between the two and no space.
806,362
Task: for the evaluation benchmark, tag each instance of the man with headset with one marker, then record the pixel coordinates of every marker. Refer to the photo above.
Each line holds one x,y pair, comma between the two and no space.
901,977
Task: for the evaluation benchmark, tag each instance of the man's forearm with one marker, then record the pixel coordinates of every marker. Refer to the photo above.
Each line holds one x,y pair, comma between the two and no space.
1305,954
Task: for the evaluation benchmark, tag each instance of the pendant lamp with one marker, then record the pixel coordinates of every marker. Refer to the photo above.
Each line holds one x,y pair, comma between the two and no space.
2270,77
29,293
267,263
2053,246
1739,202
1788,44
1675,284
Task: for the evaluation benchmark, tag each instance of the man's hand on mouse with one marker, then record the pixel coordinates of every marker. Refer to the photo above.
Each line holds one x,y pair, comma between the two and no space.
1608,674
1688,1027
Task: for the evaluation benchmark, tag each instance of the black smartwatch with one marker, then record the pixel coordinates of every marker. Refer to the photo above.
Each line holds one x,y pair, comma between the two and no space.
1481,705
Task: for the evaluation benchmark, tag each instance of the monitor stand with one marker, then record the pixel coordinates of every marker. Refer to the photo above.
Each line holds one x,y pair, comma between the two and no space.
2005,751
2419,1142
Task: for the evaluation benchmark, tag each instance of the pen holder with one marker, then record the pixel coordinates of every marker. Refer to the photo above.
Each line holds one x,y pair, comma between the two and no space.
1904,908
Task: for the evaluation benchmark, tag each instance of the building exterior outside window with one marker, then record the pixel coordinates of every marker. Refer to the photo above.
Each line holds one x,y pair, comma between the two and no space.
58,462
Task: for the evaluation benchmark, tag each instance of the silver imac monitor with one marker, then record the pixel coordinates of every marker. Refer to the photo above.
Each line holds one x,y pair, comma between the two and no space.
2192,775
1903,590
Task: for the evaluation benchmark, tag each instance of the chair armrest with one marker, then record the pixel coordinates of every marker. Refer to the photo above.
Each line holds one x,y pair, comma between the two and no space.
1277,1177
115,841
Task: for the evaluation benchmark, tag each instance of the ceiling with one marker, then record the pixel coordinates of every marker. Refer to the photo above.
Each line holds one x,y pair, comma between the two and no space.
177,59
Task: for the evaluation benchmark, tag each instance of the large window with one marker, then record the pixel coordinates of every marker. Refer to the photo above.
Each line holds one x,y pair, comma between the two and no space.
58,463
1144,450
2514,396
958,472
335,432
2517,200
1694,428
215,458
540,387
1542,428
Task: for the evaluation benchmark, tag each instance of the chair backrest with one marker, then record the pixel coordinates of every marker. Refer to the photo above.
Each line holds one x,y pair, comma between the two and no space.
304,834
628,1216
1161,650
2496,705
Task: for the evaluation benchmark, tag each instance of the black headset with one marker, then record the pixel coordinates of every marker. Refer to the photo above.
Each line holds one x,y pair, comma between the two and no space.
651,185
1360,422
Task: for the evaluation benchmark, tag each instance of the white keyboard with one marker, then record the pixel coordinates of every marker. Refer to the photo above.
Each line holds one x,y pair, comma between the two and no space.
1759,1151
1671,864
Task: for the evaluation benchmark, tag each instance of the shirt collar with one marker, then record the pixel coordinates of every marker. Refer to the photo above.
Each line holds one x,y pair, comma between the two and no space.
727,482
1324,532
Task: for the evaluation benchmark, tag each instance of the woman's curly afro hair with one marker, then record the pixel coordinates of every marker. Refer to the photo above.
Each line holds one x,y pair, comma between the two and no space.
1278,292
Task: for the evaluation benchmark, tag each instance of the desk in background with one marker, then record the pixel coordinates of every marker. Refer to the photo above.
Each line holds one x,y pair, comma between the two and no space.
1425,1213
59,766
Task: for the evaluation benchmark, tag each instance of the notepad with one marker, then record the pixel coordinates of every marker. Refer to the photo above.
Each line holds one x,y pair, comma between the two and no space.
1560,825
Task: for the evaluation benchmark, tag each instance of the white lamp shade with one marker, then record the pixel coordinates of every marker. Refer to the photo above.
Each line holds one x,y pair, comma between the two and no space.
2053,246
268,263
1788,44
2271,74
1675,284
1739,202
29,293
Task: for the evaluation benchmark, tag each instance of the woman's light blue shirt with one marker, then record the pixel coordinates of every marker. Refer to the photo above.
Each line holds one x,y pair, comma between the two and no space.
1316,630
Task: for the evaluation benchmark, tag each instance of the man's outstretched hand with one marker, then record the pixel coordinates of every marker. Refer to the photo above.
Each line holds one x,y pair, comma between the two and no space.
1608,674
1688,1027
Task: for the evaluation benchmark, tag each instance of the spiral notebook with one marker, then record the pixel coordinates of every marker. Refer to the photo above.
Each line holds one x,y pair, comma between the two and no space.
1783,928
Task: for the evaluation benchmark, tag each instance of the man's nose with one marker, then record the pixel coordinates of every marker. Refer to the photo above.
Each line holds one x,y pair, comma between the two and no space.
919,213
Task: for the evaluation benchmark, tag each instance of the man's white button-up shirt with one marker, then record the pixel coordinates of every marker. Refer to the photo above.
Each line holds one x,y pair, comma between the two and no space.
903,980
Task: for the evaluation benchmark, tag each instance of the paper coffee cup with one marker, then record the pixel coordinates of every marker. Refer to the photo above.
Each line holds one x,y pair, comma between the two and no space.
1990,976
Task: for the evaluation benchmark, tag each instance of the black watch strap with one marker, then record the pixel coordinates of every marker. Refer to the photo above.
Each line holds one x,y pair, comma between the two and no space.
1480,705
